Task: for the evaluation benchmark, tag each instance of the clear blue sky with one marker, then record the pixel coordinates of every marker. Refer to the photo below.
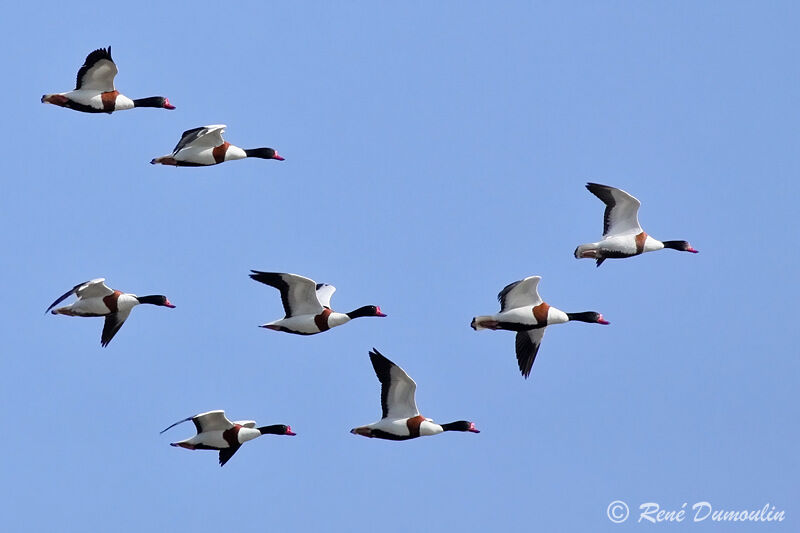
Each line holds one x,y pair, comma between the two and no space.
434,153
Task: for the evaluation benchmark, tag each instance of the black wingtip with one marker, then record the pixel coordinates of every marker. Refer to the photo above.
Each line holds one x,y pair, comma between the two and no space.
265,277
600,261
175,424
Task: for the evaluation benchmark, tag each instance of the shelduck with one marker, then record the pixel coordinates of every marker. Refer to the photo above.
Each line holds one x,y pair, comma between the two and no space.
97,299
622,234
94,90
216,432
307,304
205,146
400,418
522,310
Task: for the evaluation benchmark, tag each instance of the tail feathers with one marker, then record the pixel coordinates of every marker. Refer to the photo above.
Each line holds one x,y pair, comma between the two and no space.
589,251
482,322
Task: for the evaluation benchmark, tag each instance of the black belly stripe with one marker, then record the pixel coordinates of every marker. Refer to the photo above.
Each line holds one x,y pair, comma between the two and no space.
84,108
380,434
513,326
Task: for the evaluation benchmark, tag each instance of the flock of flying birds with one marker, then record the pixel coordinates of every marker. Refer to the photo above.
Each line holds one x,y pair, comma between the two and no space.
307,303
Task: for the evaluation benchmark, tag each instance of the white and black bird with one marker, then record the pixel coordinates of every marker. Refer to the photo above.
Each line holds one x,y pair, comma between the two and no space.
95,299
400,418
622,234
204,146
216,432
522,310
307,304
95,92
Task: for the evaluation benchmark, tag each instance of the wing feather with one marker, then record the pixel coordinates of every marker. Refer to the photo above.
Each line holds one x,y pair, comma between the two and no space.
397,388
225,454
111,326
212,421
88,289
527,346
97,72
324,293
298,293
204,136
521,293
621,216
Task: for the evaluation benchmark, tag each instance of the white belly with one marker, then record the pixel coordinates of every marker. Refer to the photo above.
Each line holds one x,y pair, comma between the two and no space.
87,97
209,438
518,315
192,154
90,306
397,427
625,244
299,323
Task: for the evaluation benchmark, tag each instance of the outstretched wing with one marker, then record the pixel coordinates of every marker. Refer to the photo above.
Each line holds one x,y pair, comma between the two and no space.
88,289
112,324
527,347
97,72
209,421
521,293
203,137
397,388
176,423
298,293
621,216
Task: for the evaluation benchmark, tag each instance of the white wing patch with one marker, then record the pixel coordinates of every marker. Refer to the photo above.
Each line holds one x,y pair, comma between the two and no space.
100,77
94,289
522,293
623,219
212,421
302,295
210,136
400,401
324,293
